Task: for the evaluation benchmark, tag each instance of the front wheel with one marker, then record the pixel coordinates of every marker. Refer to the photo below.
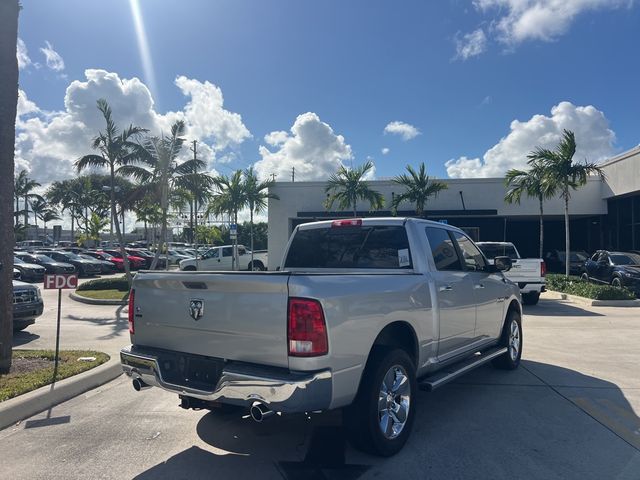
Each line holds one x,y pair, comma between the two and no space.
584,277
512,339
616,282
190,268
380,419
256,267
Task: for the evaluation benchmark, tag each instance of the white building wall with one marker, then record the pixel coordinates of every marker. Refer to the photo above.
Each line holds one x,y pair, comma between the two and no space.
622,174
479,194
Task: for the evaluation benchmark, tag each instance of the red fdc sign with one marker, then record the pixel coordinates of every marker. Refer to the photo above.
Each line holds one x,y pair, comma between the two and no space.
61,280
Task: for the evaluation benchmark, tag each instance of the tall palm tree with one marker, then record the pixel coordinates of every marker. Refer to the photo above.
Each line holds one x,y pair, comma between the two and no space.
116,152
23,190
8,107
347,186
198,185
39,207
418,188
165,174
257,194
561,174
532,184
64,194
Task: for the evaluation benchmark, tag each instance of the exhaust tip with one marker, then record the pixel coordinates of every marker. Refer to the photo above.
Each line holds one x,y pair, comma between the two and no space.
139,385
259,412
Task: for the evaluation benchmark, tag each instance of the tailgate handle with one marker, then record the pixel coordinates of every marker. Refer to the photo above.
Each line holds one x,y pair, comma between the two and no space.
195,285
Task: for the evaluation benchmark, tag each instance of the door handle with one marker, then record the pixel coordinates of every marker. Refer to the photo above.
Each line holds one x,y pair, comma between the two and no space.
446,288
479,285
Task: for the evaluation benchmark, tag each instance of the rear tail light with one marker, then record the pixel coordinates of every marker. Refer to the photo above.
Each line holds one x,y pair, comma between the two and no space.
132,296
543,268
307,331
353,222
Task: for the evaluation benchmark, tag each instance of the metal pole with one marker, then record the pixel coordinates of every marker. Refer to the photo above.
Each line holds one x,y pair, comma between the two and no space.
55,365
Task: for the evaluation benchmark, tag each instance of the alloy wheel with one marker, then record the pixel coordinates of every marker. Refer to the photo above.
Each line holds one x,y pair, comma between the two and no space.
394,401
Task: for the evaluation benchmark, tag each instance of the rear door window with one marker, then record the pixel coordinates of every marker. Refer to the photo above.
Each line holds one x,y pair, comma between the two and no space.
375,247
445,255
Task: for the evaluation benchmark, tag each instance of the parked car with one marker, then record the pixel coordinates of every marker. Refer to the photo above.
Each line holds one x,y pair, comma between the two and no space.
118,263
148,258
84,267
620,269
16,274
135,262
29,272
174,257
49,264
220,259
555,261
27,305
106,267
361,312
27,244
527,273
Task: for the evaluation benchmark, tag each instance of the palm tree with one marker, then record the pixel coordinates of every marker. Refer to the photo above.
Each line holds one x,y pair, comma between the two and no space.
418,188
257,194
64,194
231,197
116,153
48,215
39,207
347,186
561,174
198,186
532,184
160,154
8,105
23,190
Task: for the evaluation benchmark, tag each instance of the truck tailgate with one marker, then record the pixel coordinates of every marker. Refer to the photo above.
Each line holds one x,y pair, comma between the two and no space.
243,315
525,270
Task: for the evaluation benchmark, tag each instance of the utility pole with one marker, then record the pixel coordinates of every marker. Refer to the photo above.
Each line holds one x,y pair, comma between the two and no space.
293,174
194,220
273,176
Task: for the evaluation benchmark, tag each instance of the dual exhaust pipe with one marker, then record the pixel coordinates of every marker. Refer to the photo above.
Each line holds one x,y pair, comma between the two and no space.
258,411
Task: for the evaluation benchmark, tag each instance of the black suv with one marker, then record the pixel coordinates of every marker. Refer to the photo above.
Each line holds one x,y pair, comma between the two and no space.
49,264
620,269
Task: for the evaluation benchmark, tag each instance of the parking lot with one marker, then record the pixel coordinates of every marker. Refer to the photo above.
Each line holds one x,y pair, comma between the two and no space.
568,412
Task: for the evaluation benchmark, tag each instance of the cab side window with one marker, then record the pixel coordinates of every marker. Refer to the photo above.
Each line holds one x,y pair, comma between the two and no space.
227,251
472,257
445,255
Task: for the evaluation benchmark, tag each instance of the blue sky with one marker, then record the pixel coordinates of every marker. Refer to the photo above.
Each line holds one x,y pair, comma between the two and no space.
458,72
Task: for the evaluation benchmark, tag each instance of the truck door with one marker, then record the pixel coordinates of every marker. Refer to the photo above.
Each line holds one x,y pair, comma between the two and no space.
488,289
454,288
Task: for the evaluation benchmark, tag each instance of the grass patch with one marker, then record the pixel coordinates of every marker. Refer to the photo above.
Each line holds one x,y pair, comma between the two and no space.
576,286
103,294
32,369
114,283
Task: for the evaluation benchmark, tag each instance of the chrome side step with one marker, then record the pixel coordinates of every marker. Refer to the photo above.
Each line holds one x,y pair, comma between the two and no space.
453,371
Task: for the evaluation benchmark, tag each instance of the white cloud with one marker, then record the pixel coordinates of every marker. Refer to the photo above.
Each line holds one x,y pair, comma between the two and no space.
22,55
406,131
53,58
385,151
471,44
594,141
546,20
312,148
47,143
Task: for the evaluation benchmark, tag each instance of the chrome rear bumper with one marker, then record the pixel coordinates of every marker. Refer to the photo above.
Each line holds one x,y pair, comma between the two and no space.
242,384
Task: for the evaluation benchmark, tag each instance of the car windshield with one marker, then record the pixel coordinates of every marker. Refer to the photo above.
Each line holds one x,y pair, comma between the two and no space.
43,258
493,250
18,260
72,256
625,259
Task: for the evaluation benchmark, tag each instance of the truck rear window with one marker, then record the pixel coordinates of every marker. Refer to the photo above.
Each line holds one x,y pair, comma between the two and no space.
375,247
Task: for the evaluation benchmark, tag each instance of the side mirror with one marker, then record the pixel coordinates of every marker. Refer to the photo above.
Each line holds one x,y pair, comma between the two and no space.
503,264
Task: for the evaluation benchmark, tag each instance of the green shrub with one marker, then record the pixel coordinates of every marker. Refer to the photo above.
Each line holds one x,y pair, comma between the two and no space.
576,286
115,283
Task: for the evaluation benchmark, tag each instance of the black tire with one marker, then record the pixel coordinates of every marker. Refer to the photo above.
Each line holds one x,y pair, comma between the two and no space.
190,268
584,277
530,298
19,328
256,267
509,361
617,282
363,419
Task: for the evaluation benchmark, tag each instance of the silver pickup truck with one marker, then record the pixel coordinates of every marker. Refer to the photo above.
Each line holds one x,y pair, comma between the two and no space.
361,314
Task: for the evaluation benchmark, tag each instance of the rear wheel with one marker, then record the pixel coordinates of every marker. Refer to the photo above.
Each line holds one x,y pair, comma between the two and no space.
190,268
380,419
512,339
530,298
584,277
256,267
616,282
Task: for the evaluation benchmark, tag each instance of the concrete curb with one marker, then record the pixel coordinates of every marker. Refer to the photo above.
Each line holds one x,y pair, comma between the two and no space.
549,294
28,404
95,301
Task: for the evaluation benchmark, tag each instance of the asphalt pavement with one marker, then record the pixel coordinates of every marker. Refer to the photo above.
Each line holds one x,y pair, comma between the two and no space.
569,412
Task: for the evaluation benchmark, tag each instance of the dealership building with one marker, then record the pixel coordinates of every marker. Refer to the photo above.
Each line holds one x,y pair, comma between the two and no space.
603,214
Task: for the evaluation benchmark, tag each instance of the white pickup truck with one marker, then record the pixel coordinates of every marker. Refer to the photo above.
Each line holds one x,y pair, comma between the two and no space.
528,273
221,258
361,314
